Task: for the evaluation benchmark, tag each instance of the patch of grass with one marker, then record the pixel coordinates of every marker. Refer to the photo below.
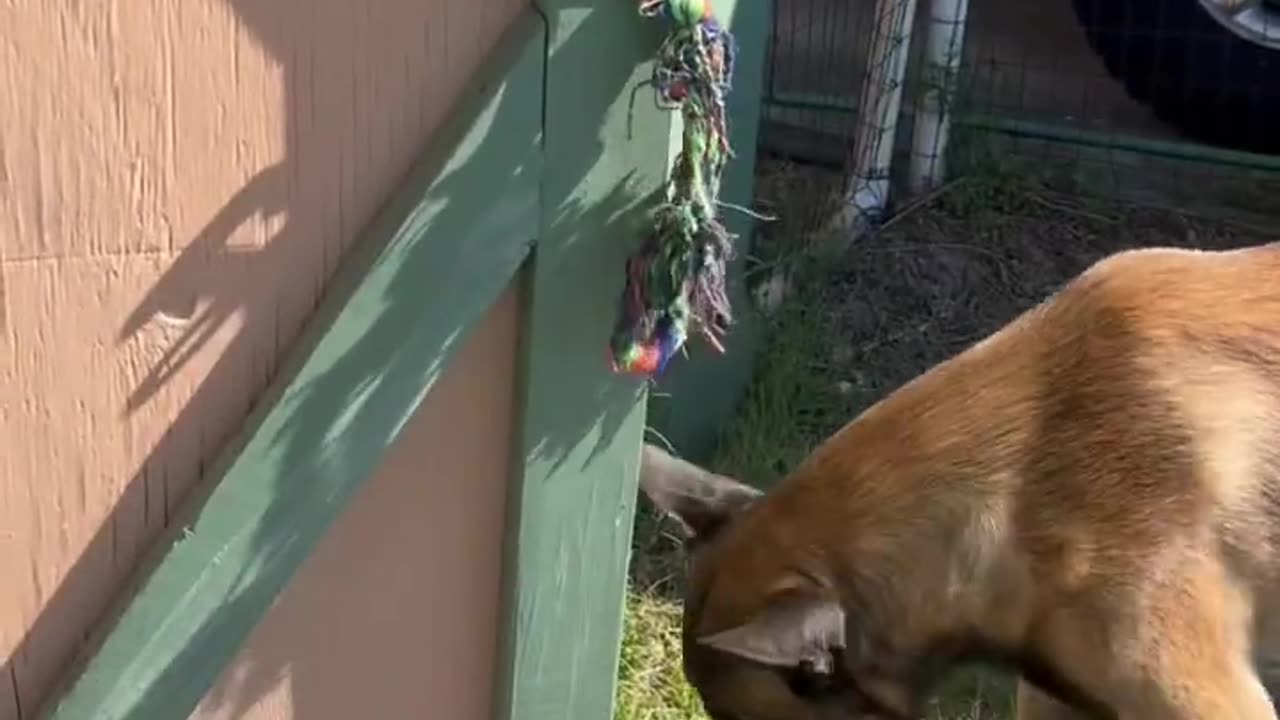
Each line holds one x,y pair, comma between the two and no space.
651,684
778,420
973,694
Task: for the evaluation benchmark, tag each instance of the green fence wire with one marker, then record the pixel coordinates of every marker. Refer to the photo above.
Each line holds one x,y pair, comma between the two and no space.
1122,95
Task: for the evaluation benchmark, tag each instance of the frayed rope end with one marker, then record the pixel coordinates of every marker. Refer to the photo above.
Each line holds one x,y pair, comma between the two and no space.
676,282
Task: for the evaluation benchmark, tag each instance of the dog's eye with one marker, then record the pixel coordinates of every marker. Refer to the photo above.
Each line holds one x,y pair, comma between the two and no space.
806,680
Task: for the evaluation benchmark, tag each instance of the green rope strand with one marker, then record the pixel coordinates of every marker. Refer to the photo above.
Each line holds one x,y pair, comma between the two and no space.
676,281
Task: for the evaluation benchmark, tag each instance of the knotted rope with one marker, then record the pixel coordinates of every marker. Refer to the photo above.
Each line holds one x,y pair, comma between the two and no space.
676,281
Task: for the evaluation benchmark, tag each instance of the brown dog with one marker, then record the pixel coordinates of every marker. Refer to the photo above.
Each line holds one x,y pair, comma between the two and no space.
1090,495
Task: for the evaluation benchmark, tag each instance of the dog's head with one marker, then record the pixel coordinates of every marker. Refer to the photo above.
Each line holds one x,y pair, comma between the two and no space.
764,637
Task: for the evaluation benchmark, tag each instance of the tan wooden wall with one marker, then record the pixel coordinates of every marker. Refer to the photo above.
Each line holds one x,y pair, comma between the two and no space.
395,614
178,180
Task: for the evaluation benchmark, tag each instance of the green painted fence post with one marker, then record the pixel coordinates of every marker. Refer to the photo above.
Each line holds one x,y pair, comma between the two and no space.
700,393
572,505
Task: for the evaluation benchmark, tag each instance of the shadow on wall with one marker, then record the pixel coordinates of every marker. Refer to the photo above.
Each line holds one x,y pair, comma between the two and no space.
328,72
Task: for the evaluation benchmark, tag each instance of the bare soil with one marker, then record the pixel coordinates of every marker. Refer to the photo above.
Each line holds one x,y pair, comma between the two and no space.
955,267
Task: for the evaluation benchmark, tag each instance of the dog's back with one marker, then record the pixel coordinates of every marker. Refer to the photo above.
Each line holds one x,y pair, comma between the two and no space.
1141,400
1137,408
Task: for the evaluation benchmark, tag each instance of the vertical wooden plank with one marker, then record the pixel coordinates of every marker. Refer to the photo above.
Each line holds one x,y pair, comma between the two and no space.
700,393
569,524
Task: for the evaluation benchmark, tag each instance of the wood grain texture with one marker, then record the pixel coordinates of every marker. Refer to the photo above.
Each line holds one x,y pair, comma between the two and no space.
178,183
569,526
394,613
435,258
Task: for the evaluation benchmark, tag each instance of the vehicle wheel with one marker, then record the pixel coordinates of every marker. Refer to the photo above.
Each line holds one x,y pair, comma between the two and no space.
1210,68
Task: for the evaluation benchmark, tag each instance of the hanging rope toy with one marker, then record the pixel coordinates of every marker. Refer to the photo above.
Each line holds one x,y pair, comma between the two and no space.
676,281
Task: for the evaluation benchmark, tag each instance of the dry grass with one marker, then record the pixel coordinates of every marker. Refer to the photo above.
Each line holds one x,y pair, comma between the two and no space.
935,280
651,685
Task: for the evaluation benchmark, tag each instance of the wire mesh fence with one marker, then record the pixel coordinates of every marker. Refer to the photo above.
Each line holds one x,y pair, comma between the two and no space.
1175,102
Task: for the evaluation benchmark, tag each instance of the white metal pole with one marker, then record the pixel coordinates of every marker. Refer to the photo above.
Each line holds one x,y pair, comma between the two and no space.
943,54
867,194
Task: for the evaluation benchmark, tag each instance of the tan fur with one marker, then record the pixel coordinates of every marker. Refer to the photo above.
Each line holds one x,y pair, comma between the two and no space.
1092,493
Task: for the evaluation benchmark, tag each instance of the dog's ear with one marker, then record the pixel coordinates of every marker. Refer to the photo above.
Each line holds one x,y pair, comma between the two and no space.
700,499
792,629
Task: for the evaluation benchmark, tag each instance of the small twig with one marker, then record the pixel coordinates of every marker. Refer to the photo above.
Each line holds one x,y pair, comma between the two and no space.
1069,209
1235,223
895,336
925,247
1000,262
747,211
919,204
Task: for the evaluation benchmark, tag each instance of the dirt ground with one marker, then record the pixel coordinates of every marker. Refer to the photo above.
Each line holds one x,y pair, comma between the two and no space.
953,268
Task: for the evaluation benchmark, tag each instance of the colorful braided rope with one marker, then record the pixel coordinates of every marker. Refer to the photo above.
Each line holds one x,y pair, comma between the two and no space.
676,281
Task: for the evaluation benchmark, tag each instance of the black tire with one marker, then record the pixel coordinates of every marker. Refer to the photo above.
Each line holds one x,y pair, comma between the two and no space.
1194,74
